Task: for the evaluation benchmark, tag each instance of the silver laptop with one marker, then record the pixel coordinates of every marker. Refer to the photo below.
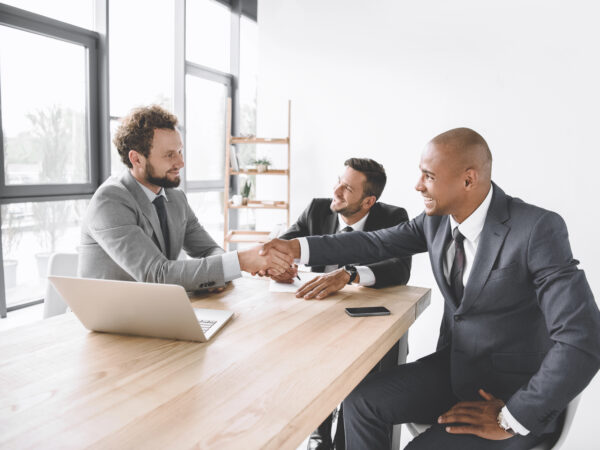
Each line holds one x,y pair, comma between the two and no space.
140,309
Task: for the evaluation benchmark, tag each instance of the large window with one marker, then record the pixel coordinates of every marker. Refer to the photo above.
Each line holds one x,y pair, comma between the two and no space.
220,62
50,137
61,64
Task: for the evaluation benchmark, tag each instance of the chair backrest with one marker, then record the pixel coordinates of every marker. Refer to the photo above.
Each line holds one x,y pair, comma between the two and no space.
569,415
64,264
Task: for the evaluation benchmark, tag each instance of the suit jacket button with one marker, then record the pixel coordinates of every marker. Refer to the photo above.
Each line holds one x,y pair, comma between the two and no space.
458,318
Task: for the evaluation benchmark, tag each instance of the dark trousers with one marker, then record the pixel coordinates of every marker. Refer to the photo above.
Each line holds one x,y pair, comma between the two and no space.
417,392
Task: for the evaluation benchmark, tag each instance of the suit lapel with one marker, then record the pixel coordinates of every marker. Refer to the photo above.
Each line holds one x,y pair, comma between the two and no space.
372,224
145,206
490,242
330,223
438,253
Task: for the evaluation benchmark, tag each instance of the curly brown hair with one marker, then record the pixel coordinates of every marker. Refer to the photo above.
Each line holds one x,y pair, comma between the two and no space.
136,130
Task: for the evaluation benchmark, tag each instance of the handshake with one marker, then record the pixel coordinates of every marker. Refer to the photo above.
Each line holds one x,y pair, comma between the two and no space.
276,259
273,258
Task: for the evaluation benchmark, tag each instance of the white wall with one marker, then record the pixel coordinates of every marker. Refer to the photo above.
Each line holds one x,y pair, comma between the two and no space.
379,79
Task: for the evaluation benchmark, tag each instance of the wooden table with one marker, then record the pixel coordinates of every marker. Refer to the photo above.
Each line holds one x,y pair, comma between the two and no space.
266,380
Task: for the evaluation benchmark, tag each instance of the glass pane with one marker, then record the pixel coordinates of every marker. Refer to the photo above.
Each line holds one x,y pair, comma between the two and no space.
116,165
208,207
208,33
205,129
141,54
247,87
76,12
43,83
30,233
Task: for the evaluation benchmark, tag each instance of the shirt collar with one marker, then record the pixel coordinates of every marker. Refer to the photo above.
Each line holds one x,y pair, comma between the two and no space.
471,227
151,195
358,226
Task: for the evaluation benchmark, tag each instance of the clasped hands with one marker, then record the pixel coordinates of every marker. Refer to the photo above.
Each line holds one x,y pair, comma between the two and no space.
275,259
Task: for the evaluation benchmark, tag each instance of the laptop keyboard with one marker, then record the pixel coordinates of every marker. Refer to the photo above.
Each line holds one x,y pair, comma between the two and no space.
206,324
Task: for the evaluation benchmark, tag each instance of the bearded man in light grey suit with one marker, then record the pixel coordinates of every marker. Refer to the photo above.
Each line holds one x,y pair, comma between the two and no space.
137,224
520,334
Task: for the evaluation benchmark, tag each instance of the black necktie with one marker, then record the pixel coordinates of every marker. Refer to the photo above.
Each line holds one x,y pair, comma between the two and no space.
159,204
458,266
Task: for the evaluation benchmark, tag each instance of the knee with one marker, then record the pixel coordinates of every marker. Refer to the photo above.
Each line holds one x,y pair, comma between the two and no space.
358,402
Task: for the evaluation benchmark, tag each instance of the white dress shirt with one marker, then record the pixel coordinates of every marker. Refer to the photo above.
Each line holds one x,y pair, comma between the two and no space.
366,275
231,263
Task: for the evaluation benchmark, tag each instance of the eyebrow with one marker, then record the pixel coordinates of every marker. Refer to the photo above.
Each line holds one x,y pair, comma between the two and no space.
428,172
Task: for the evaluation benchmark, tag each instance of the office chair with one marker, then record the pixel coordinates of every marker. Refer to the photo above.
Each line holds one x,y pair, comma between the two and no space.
552,443
64,264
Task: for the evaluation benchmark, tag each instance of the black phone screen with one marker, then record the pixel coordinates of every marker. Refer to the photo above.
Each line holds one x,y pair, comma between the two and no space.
368,311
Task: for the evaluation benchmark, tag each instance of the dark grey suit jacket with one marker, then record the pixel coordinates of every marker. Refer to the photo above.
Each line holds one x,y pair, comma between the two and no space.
121,239
318,219
528,327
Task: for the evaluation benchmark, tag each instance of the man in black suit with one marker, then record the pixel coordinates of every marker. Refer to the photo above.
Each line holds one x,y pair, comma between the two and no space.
520,334
354,207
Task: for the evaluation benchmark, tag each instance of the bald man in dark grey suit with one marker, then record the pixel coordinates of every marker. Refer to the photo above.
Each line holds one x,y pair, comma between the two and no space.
520,334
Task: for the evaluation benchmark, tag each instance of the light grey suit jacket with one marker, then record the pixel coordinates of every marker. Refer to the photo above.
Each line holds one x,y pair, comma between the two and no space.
527,329
121,239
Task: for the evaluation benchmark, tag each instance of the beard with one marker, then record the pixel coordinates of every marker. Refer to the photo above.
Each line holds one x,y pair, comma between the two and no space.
160,181
346,211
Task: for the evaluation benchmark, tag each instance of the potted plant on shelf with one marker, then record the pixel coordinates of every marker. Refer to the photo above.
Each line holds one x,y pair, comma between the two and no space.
262,165
246,192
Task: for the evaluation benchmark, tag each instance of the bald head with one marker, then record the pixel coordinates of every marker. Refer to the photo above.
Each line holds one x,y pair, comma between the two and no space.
456,173
465,149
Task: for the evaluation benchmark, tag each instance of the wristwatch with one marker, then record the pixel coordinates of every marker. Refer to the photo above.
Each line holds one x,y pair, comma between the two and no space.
351,270
503,423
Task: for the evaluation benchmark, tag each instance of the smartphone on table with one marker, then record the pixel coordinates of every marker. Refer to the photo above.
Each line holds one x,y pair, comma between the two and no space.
368,311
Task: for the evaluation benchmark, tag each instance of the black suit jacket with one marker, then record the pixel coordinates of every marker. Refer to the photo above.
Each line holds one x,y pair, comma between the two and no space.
527,329
318,219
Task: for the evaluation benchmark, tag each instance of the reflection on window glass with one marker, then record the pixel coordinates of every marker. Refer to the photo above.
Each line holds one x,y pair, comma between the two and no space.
142,43
208,33
76,12
208,207
205,129
43,111
30,233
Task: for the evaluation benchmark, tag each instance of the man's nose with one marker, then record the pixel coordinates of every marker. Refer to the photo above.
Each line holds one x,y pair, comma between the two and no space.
419,186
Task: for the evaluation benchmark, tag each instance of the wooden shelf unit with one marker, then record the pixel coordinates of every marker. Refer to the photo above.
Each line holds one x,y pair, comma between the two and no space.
235,236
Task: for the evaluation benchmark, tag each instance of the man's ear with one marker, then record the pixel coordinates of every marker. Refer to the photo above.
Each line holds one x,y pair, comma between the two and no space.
368,202
471,179
135,158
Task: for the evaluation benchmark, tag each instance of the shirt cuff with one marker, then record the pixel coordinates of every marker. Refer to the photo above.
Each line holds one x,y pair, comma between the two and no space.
231,266
513,423
367,277
304,252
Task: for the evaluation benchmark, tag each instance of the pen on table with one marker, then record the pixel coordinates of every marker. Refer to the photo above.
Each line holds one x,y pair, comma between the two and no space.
298,276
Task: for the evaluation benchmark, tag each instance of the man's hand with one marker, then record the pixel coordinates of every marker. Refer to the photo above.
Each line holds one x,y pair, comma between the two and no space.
324,285
478,418
291,248
287,277
275,262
